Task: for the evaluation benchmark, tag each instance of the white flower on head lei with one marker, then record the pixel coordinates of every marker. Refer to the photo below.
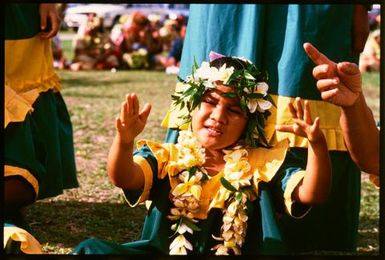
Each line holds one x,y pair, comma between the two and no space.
248,83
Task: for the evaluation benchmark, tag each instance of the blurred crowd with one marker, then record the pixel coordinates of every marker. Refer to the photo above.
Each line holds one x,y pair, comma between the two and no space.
137,41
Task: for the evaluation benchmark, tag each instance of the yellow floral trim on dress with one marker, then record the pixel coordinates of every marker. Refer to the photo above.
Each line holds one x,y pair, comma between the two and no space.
17,171
28,244
280,114
28,71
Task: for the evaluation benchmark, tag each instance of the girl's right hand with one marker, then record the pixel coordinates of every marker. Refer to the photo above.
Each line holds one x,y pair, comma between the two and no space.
131,122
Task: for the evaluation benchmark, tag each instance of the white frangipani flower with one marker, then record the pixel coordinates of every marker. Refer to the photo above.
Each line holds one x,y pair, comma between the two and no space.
258,103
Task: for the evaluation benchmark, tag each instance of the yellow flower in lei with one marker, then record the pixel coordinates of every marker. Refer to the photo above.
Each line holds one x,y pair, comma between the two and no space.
186,195
233,193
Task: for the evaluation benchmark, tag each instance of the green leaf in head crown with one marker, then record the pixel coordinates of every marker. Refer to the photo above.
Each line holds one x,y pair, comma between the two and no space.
248,83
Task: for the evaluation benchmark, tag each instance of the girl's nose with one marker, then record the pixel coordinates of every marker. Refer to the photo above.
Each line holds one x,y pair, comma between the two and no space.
218,114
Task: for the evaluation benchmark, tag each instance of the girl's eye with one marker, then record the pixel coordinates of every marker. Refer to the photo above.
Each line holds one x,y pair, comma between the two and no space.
235,111
209,101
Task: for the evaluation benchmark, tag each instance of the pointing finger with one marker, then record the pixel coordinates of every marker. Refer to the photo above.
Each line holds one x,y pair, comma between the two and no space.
315,55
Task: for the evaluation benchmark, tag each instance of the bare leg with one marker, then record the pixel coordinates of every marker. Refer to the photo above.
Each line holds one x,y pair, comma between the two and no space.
18,193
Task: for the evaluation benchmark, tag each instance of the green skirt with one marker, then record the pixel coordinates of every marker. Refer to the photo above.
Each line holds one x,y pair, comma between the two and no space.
43,145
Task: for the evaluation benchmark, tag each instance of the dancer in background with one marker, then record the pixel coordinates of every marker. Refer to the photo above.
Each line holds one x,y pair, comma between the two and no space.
39,160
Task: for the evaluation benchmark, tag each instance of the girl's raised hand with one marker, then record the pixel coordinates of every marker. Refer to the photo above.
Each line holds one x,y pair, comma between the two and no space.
131,122
303,123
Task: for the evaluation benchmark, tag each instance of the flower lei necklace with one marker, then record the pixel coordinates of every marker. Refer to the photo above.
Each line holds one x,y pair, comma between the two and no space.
235,191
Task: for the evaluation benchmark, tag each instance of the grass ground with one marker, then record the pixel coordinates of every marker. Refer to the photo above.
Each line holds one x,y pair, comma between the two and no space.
97,208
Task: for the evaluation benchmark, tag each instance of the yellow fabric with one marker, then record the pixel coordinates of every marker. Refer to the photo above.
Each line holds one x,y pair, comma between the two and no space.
329,123
292,183
264,165
266,162
28,71
28,244
16,171
146,168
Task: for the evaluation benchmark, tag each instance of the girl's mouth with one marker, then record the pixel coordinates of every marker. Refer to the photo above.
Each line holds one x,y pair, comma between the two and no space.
213,132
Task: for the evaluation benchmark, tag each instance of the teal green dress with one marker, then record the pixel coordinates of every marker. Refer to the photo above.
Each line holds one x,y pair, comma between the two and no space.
38,135
272,37
263,229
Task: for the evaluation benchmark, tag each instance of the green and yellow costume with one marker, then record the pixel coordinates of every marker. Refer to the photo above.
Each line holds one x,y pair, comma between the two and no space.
275,169
37,128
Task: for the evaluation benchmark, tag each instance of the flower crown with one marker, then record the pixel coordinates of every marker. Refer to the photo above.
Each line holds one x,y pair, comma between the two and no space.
248,83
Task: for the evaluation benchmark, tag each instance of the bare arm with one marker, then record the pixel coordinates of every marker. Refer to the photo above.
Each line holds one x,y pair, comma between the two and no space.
122,170
362,138
315,186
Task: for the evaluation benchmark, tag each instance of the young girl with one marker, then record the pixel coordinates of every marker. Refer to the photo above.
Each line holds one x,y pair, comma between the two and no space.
220,188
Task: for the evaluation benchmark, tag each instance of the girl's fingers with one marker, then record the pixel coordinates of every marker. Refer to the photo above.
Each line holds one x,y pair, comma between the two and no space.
145,112
130,105
316,123
307,114
135,102
300,123
123,112
292,110
118,124
284,128
298,104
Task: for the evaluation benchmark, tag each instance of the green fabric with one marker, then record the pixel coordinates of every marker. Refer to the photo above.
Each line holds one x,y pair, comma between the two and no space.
334,224
263,236
271,36
43,144
21,20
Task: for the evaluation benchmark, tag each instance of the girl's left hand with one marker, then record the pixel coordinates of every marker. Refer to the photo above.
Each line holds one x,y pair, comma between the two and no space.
303,123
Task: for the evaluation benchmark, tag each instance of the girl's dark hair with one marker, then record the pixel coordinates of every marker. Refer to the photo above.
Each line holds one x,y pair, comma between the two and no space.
238,64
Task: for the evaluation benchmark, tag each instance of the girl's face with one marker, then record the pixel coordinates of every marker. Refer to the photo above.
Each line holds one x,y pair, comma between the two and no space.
220,121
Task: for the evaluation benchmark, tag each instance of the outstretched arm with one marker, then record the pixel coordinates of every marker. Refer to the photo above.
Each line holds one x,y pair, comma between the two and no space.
122,170
315,186
341,85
